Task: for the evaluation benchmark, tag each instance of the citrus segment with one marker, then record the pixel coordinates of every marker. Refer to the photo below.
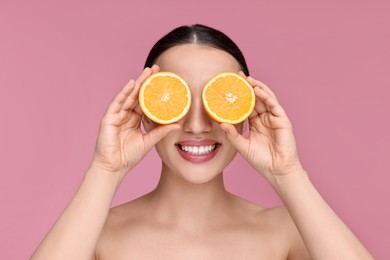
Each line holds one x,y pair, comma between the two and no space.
164,97
228,98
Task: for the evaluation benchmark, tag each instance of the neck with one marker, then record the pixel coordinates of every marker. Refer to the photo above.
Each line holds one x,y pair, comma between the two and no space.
188,206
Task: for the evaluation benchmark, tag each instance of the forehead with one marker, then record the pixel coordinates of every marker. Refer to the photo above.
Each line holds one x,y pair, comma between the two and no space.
196,63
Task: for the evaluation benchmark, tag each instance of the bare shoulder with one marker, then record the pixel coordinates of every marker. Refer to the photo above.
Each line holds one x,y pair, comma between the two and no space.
127,212
276,226
275,217
130,216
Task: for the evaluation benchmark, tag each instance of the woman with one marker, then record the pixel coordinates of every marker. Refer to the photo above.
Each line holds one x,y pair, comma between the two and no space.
190,215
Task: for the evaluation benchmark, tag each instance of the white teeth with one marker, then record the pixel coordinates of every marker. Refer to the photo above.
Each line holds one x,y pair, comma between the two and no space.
198,150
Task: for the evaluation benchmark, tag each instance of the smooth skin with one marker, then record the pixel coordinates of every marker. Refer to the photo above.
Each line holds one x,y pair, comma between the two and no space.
190,215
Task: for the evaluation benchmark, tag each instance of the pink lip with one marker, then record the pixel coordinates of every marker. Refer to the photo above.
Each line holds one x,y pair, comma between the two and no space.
197,158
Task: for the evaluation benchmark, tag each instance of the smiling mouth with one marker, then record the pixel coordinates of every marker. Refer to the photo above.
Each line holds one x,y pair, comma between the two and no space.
198,149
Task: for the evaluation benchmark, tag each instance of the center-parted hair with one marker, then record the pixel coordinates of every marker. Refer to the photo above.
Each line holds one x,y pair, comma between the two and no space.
196,34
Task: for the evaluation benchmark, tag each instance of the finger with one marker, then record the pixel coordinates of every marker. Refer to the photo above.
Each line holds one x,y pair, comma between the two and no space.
127,119
259,107
137,108
132,98
158,133
134,111
242,74
238,141
121,97
145,73
116,119
132,121
261,85
131,101
155,68
256,124
271,104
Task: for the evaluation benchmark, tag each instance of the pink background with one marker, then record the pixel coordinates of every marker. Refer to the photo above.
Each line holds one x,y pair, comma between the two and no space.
61,64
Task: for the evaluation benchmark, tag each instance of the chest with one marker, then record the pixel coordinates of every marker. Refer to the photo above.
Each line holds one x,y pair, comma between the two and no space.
176,245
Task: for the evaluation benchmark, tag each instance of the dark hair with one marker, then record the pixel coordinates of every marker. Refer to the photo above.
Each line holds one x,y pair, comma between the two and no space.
197,34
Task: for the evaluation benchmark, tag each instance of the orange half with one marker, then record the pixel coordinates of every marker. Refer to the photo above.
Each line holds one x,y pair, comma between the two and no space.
164,97
228,98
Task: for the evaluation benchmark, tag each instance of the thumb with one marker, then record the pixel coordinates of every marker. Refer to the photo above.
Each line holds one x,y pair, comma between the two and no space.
238,141
158,133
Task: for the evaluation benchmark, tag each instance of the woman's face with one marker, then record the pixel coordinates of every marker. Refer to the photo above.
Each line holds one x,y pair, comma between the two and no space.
199,150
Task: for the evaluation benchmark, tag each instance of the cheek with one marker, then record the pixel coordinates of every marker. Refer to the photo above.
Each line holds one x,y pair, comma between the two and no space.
165,151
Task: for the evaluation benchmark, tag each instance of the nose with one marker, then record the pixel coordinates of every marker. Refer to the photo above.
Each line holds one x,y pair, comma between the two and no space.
197,120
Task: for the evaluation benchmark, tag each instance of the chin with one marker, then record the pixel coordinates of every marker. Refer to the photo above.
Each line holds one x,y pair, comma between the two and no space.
199,175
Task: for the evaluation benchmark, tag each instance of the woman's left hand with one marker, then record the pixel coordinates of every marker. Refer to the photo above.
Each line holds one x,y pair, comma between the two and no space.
270,147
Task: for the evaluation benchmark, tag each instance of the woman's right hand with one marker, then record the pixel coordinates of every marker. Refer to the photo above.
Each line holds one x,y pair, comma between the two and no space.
121,144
